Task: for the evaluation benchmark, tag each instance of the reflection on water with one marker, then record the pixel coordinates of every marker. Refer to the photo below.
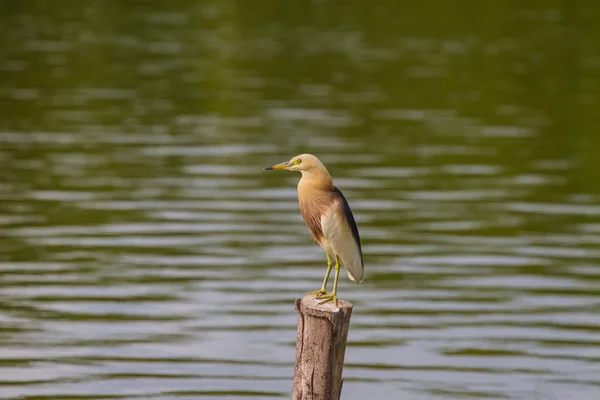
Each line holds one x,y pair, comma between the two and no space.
144,254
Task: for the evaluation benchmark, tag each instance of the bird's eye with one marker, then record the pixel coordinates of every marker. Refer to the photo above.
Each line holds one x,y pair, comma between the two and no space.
297,161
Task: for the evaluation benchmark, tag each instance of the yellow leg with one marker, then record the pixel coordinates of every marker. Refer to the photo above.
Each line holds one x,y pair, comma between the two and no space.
333,295
323,289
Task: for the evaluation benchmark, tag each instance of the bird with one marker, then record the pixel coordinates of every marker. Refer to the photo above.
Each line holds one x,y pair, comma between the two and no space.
329,220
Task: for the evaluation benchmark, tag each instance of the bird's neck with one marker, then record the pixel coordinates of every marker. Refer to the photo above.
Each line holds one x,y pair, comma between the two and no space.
320,180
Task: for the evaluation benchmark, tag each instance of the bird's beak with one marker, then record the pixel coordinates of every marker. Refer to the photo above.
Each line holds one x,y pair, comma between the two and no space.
282,165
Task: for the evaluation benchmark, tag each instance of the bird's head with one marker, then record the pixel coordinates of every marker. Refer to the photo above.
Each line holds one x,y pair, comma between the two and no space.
301,163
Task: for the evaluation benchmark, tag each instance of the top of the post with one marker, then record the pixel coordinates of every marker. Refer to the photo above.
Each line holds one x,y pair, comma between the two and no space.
309,304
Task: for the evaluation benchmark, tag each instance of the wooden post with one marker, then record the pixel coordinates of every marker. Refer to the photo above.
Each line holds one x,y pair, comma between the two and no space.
320,347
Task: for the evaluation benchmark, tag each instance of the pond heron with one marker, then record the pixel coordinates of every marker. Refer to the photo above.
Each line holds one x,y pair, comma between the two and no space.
329,219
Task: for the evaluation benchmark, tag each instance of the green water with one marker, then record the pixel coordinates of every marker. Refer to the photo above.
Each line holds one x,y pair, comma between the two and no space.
144,254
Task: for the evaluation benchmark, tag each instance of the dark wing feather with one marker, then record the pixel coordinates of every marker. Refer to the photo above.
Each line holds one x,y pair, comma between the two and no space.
350,218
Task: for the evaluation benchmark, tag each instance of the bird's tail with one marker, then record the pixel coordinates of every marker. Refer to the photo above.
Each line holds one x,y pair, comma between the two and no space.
356,272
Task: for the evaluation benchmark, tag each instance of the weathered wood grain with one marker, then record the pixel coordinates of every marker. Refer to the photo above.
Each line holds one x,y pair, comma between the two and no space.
320,348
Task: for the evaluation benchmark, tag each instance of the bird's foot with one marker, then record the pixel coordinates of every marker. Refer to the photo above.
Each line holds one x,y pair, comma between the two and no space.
329,297
319,293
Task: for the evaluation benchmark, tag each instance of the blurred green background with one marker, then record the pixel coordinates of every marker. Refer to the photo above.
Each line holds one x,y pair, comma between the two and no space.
145,254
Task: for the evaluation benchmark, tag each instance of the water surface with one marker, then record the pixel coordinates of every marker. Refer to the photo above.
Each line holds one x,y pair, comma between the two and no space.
144,254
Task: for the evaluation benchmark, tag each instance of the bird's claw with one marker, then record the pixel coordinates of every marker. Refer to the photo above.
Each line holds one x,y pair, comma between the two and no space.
318,293
328,298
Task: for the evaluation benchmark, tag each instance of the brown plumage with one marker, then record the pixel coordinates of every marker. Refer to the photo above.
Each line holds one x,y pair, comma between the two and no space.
328,217
315,199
